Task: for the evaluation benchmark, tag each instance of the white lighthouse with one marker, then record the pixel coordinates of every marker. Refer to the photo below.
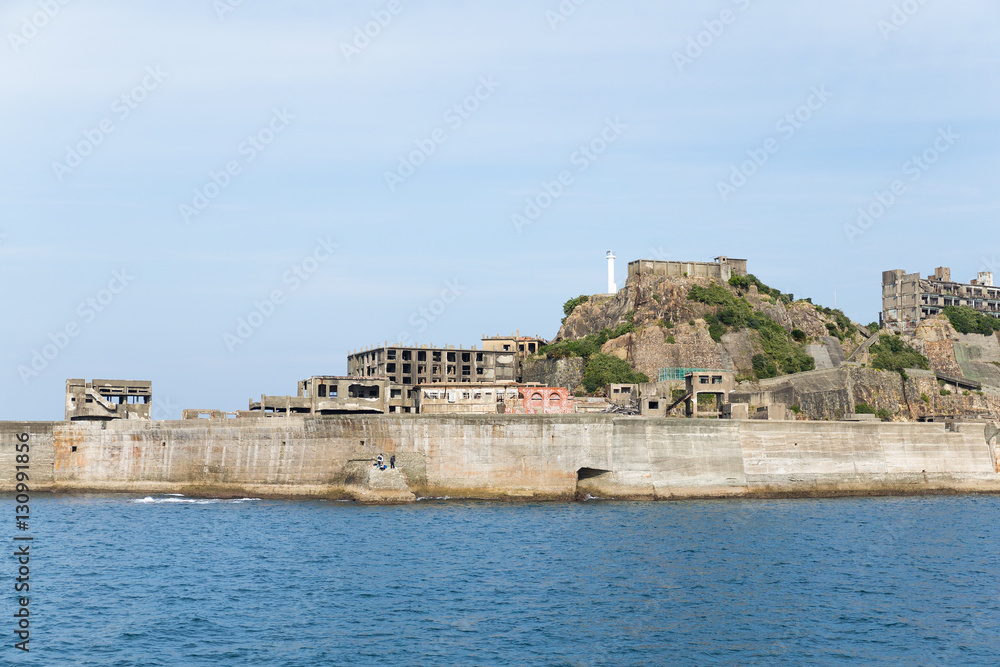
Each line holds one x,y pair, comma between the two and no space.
612,288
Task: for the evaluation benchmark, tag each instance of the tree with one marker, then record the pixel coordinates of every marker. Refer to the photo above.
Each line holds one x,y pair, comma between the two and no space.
604,369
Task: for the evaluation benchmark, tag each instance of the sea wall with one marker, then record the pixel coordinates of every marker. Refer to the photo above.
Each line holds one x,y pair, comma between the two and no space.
506,456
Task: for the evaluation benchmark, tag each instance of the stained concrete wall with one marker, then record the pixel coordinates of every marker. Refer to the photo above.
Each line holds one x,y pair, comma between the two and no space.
491,456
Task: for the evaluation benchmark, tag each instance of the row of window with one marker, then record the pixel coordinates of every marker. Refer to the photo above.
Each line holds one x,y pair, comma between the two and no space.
407,355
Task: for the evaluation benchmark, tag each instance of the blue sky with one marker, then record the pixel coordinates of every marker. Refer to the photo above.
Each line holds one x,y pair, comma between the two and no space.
171,169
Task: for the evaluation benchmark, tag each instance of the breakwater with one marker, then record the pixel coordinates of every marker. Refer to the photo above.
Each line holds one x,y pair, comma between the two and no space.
506,457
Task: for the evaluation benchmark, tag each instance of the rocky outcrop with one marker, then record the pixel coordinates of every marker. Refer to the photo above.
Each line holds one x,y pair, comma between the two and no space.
553,372
661,312
832,394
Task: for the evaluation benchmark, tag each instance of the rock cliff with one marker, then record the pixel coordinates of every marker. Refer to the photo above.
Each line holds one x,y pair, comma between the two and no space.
670,330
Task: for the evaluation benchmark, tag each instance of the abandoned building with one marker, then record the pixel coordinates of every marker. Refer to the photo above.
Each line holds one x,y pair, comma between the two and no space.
493,399
328,395
101,400
410,366
663,397
722,269
522,346
908,299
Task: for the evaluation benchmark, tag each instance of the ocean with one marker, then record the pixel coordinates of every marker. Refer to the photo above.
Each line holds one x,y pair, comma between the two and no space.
169,580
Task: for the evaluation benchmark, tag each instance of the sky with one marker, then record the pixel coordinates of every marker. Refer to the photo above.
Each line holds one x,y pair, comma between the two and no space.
225,197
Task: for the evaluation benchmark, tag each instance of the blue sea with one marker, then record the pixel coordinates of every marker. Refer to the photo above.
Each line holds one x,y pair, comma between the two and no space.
169,580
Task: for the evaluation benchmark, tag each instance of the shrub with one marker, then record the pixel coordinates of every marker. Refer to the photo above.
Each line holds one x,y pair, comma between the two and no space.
925,398
864,409
656,298
763,367
796,409
783,355
945,392
604,369
798,335
691,322
892,354
969,320
744,282
571,305
671,340
883,414
587,346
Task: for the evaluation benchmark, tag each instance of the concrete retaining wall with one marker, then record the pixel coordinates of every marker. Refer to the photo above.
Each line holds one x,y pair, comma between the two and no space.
504,456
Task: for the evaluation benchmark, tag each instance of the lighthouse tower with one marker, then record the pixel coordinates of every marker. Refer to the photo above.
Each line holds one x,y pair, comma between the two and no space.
612,288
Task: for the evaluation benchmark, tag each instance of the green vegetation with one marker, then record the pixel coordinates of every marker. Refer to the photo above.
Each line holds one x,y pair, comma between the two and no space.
665,324
925,398
744,282
883,414
781,354
604,369
798,335
656,298
968,320
945,392
691,323
863,409
892,354
671,340
796,409
841,327
571,305
587,346
599,369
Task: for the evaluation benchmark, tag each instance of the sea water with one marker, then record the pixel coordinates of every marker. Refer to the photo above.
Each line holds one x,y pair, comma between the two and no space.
169,580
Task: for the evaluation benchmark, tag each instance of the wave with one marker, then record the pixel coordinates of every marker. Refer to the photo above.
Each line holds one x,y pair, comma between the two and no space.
149,500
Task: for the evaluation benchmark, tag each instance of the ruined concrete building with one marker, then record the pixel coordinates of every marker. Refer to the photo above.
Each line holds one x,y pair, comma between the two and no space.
908,299
722,269
493,399
328,395
102,400
521,346
409,366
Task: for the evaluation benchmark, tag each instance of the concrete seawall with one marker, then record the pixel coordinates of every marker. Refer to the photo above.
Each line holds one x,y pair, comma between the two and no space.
506,456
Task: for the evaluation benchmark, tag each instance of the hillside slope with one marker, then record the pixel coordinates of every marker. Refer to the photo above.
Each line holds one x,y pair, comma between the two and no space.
700,323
